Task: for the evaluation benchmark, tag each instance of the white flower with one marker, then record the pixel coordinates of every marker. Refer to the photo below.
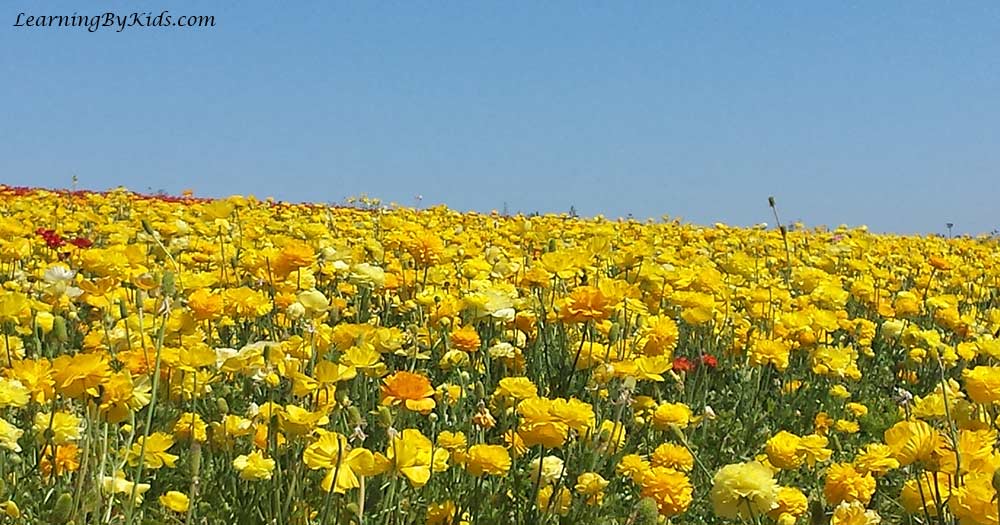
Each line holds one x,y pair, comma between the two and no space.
58,273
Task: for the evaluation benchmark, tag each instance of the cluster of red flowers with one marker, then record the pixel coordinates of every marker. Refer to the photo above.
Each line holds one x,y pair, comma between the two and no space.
54,240
683,364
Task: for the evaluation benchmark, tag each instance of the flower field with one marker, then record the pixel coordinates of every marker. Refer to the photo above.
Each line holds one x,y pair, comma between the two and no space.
180,360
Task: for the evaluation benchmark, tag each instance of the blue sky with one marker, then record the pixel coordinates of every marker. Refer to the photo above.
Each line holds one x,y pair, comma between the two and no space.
877,113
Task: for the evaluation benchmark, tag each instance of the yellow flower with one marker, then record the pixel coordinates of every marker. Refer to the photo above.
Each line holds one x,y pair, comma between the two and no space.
9,434
368,275
633,466
190,426
551,469
845,483
425,247
922,494
840,392
591,485
296,420
516,388
854,513
877,459
293,256
661,336
574,413
117,484
175,501
766,351
911,441
36,376
539,427
444,513
560,505
331,452
613,434
975,501
13,393
314,302
487,459
783,451
359,463
672,456
254,467
744,490
244,302
80,374
121,396
409,453
858,409
12,305
63,427
791,502
451,441
155,453
668,414
671,489
846,426
983,383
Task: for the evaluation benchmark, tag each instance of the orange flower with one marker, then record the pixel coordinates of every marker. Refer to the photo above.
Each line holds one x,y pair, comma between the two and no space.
67,459
413,390
585,303
425,248
205,304
940,263
466,339
293,256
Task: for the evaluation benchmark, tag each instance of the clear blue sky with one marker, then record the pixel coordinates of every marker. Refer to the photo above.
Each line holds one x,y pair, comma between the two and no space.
877,113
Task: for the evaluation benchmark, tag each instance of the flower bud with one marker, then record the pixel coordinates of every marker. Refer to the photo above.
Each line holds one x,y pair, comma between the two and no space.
62,510
354,416
678,433
341,394
817,515
10,509
222,405
168,283
480,390
384,416
614,333
59,329
647,513
195,459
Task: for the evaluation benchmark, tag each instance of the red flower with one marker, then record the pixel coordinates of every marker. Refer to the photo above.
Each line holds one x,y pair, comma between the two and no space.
683,364
709,360
52,239
81,242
